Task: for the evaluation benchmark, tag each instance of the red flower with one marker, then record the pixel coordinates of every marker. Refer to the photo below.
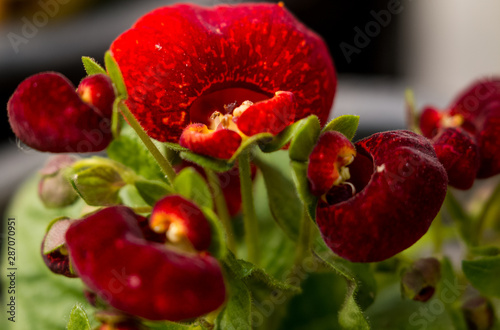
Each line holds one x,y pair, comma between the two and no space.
396,188
183,63
140,277
47,114
476,111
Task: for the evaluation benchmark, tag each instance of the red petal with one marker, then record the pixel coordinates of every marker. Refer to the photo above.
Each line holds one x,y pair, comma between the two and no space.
395,207
176,54
98,90
270,116
459,154
189,216
221,143
47,114
430,122
332,152
139,277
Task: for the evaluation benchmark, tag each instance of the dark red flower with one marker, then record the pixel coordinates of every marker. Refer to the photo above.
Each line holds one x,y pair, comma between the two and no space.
396,189
183,63
140,277
47,114
477,111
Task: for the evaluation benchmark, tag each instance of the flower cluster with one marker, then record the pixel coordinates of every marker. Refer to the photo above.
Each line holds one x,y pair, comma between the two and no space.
217,88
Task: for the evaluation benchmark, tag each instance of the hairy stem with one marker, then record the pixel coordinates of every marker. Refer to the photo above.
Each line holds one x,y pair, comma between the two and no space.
221,207
250,218
163,162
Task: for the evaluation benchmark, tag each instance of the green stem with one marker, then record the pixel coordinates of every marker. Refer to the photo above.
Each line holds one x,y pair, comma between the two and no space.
221,207
250,218
493,199
304,241
115,120
163,162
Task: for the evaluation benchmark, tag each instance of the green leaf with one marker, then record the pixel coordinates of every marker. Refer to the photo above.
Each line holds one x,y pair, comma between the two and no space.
152,191
299,175
98,185
485,251
282,139
78,319
306,137
43,299
91,66
115,75
249,143
284,202
483,274
175,146
130,196
129,150
452,290
190,184
166,325
346,124
218,247
217,165
351,314
238,309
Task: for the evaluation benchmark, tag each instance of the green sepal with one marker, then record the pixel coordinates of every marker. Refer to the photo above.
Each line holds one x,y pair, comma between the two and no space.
167,325
346,124
299,175
282,139
218,247
116,75
175,146
152,191
78,319
249,143
483,274
91,66
217,165
190,184
98,185
284,203
305,138
351,314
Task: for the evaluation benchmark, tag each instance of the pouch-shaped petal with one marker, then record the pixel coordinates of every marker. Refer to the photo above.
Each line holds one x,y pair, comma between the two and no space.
400,186
140,277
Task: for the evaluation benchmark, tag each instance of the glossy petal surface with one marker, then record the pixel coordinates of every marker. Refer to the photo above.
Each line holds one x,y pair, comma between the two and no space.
139,277
393,207
332,152
47,114
269,116
187,216
221,143
459,154
175,55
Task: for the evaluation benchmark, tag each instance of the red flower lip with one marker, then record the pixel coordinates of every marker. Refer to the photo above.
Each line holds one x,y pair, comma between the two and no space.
400,186
139,277
332,153
477,111
181,63
47,114
180,218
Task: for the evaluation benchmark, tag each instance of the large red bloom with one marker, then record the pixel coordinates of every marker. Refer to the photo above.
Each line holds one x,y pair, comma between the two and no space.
182,63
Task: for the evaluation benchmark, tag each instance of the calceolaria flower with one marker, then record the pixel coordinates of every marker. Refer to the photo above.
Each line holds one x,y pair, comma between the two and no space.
47,114
111,254
231,71
385,202
466,134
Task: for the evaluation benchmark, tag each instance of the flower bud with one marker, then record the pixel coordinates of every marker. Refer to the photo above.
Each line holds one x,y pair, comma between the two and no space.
54,190
420,280
478,313
54,251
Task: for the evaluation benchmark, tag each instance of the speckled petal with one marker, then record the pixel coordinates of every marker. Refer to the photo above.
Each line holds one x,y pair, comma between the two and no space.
176,56
221,143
